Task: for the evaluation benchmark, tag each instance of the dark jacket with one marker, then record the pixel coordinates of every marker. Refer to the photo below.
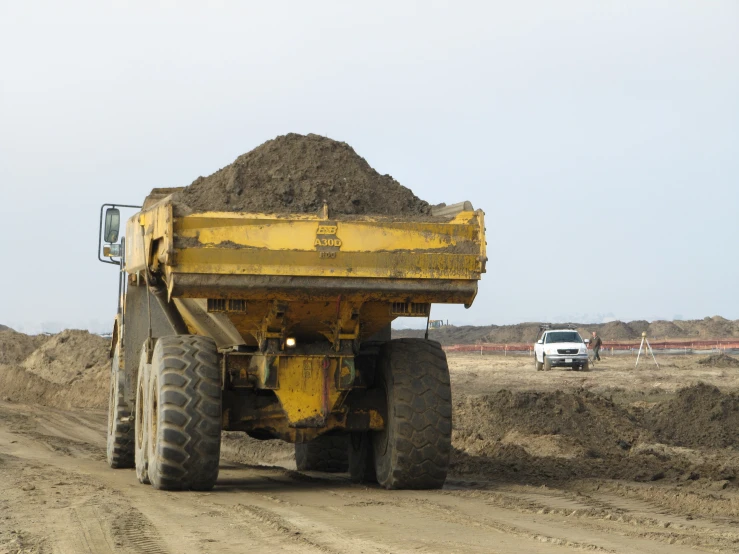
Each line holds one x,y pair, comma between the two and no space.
595,342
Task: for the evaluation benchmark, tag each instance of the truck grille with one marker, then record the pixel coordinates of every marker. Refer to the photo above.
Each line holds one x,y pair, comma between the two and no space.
567,351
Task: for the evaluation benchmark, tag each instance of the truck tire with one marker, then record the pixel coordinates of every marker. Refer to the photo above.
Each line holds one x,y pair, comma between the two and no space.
120,441
585,366
539,366
547,364
327,453
361,458
141,423
413,450
184,421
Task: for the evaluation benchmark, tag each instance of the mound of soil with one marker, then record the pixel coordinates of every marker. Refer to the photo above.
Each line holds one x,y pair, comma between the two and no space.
595,424
618,330
715,328
4,327
66,357
89,391
699,416
294,174
719,360
16,347
535,436
68,370
665,329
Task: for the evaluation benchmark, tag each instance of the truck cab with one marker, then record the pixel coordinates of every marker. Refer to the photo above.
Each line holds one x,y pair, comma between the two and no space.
561,348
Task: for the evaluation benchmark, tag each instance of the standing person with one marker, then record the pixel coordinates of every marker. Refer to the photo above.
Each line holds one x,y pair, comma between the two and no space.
596,343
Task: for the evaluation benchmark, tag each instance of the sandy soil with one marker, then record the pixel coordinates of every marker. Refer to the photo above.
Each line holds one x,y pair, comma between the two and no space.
617,375
59,496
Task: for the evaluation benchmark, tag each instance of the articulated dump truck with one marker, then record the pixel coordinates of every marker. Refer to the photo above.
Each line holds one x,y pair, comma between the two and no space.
279,326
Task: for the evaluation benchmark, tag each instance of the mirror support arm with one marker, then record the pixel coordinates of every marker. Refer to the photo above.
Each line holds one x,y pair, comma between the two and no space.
100,229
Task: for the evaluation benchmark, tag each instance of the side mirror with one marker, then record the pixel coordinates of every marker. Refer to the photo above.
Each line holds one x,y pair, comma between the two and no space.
587,341
540,341
112,225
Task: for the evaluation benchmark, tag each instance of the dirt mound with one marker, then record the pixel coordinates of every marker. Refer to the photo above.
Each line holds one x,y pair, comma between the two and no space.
715,328
699,416
618,330
294,174
593,422
719,360
4,328
89,391
66,357
665,329
535,437
67,370
16,347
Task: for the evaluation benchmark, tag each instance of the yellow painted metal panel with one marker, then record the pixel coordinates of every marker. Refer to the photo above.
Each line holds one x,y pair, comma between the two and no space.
355,236
306,389
408,265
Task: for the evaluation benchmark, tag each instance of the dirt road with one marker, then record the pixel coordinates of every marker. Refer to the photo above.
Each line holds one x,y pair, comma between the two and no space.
59,496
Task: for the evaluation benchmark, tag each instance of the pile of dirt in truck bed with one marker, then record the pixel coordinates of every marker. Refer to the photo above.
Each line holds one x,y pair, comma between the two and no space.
294,174
719,360
537,436
66,370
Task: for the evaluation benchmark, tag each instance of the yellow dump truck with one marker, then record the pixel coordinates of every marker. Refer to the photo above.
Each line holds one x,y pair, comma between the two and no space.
279,326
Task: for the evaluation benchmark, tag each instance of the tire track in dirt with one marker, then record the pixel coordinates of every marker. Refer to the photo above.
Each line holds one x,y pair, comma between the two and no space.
134,529
637,518
275,510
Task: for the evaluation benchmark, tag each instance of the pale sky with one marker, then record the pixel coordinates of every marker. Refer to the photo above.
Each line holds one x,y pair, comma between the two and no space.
601,138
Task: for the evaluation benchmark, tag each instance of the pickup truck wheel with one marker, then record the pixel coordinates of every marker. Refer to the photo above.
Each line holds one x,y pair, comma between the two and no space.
585,366
547,364
141,423
328,453
120,431
413,450
184,422
539,366
361,458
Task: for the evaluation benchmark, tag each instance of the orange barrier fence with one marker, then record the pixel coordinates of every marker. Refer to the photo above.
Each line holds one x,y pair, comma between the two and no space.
727,344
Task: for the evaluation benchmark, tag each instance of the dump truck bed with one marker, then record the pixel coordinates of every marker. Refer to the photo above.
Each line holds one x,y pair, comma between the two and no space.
240,264
196,251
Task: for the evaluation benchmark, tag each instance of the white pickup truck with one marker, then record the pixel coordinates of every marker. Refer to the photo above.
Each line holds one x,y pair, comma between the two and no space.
561,348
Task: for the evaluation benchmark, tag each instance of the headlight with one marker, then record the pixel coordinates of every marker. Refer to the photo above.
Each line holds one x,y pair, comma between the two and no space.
583,350
551,351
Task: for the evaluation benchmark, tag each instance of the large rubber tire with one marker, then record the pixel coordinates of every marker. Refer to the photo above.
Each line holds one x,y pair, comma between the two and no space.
413,450
327,453
539,366
361,458
143,413
547,364
585,366
120,431
184,423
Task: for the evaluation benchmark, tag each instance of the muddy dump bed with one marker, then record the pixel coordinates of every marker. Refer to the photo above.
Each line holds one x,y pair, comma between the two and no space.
238,263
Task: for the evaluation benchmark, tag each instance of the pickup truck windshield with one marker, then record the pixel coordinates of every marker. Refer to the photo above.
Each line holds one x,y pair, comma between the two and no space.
563,336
